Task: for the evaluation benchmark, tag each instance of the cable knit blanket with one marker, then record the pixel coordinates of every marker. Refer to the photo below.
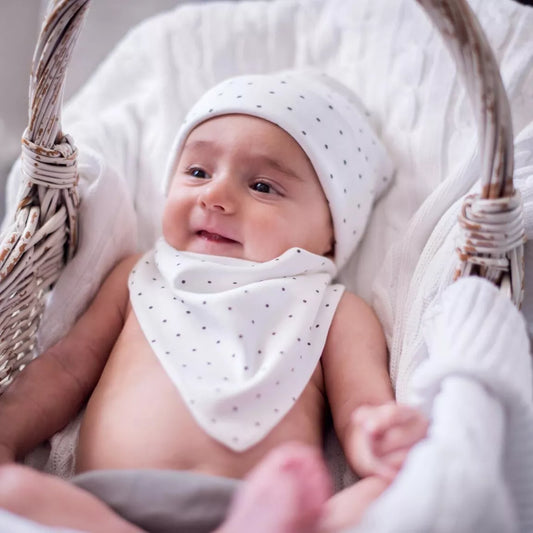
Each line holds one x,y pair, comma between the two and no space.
475,471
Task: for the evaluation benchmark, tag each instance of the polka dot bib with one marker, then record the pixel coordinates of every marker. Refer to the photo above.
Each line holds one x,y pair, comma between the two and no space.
240,340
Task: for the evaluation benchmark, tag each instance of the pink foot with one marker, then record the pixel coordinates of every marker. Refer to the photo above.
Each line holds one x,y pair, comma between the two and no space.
285,493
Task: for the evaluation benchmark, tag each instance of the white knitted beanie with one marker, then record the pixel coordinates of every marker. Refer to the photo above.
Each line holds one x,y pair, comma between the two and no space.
329,124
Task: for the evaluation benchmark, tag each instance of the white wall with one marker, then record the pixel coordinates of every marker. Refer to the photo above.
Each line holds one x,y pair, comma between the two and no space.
18,32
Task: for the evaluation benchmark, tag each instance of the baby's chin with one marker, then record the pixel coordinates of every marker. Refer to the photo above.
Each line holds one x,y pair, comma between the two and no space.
235,252
233,249
230,252
220,249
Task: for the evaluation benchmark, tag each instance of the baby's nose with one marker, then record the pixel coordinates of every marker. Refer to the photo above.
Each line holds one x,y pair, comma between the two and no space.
217,196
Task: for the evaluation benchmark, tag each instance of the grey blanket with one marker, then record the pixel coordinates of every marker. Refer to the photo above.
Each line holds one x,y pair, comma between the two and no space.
163,501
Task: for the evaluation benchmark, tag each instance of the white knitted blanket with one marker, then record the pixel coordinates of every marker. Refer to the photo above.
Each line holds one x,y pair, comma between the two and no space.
125,119
475,471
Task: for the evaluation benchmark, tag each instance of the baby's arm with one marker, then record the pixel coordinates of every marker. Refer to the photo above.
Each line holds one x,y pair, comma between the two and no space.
52,388
359,390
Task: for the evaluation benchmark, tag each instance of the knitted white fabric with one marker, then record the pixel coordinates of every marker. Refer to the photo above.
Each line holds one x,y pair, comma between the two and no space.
330,125
475,332
240,340
475,471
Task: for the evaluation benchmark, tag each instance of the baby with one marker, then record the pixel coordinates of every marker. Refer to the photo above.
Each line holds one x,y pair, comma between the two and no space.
228,338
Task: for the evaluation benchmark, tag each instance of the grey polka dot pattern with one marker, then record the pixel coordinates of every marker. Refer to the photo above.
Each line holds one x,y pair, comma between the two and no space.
228,346
330,125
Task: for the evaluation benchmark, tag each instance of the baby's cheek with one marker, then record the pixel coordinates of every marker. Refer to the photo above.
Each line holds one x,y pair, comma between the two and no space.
172,226
266,245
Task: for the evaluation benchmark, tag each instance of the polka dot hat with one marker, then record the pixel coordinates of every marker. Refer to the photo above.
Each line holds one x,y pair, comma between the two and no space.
329,124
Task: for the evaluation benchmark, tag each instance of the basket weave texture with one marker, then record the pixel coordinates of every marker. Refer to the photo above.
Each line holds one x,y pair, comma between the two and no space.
43,234
493,234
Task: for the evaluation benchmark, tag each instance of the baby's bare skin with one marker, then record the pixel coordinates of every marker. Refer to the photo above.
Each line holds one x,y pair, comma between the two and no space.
136,418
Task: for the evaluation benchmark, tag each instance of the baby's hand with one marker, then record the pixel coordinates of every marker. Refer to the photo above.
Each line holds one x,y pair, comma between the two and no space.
385,434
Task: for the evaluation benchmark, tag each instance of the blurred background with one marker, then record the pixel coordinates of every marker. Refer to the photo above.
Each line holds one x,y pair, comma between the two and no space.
20,22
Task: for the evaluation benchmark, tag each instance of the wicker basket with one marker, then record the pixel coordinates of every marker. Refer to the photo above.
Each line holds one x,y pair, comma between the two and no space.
42,236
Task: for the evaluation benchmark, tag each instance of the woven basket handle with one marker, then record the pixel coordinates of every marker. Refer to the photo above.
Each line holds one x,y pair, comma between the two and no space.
49,157
493,232
43,234
58,36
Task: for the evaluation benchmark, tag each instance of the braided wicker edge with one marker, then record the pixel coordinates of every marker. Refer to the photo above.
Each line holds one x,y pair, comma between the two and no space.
43,235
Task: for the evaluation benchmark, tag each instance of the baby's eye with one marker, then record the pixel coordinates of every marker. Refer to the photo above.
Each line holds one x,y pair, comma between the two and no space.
263,187
198,173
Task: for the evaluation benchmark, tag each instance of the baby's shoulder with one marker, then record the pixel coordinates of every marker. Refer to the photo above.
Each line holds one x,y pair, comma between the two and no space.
352,305
115,284
120,272
355,329
354,317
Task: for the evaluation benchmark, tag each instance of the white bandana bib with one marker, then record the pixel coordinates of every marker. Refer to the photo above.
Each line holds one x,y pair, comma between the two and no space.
240,340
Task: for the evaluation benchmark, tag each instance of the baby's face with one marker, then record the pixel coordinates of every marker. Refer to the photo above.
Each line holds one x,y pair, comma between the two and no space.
244,188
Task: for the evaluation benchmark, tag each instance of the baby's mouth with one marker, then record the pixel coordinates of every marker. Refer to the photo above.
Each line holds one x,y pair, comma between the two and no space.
214,237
